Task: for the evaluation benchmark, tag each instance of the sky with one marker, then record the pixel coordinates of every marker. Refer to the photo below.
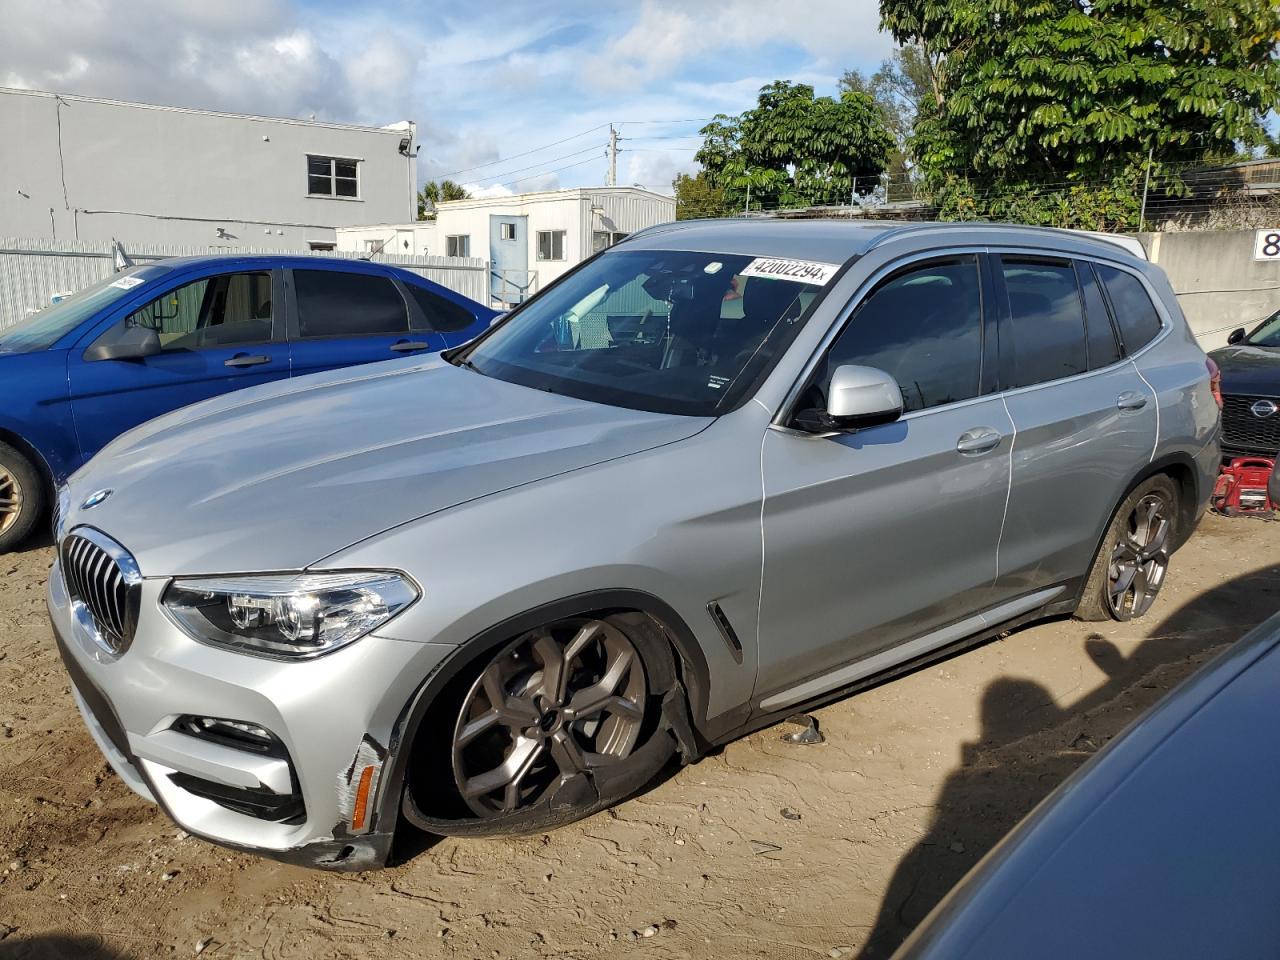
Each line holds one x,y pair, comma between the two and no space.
507,95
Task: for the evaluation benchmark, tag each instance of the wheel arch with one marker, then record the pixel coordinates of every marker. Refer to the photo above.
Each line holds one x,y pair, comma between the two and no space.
691,669
1181,469
37,460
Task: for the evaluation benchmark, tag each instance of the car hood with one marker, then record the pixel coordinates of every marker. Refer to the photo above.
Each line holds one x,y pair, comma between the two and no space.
277,478
1251,370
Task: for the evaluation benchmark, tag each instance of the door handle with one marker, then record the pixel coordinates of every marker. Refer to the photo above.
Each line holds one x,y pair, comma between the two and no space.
244,360
1131,400
404,346
978,440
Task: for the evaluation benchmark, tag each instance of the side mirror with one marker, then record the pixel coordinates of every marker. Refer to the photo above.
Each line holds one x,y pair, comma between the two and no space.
1236,336
858,397
131,343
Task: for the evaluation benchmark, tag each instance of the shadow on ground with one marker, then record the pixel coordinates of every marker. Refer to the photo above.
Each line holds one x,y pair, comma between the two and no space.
1029,744
58,948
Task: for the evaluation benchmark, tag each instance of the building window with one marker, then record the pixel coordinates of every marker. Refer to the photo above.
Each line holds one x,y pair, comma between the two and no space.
321,247
550,244
457,246
603,239
333,177
508,231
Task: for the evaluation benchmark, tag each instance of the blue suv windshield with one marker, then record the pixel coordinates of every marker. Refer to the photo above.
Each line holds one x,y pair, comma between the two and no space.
42,330
658,330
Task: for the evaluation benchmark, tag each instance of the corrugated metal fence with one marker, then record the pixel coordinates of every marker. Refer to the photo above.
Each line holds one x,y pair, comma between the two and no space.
33,272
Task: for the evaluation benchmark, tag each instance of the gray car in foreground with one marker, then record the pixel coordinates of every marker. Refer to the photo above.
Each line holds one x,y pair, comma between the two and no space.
719,472
1181,809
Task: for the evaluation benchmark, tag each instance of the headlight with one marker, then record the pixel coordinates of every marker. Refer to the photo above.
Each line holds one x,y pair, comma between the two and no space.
291,616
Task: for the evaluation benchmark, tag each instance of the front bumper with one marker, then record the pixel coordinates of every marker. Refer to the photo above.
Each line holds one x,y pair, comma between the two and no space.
335,716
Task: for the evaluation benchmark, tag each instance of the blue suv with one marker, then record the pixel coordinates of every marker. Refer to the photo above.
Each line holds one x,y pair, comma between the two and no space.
157,337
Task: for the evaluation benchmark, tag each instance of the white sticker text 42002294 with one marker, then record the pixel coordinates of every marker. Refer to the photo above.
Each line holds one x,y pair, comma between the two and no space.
804,271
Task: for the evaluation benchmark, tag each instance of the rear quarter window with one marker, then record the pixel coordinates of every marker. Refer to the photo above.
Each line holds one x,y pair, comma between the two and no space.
1135,314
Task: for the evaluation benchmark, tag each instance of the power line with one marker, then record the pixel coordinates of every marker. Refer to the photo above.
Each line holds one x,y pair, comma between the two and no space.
517,156
567,156
546,173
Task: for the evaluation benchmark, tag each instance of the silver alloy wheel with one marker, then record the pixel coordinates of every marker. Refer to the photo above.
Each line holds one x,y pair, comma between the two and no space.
1139,559
559,701
10,498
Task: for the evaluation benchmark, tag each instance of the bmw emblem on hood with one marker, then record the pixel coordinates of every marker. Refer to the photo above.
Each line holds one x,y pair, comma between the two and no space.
94,499
1263,409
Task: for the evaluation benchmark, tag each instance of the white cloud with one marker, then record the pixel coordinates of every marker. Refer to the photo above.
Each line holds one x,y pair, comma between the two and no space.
666,36
482,193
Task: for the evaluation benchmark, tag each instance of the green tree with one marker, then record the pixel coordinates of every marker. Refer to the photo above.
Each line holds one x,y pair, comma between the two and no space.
795,148
1067,91
696,197
901,87
433,193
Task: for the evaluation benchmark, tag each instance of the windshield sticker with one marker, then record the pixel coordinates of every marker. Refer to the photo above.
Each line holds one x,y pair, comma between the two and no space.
713,268
801,271
128,283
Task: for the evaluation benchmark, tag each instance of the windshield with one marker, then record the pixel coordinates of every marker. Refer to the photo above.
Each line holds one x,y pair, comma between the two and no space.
1267,333
42,330
657,330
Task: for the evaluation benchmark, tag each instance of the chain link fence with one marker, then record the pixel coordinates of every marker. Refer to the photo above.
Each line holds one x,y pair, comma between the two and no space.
34,273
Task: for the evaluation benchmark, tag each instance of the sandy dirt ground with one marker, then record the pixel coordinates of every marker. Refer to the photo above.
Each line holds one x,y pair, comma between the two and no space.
765,849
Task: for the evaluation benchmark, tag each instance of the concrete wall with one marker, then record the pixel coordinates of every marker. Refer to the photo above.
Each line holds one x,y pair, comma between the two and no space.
1219,284
76,168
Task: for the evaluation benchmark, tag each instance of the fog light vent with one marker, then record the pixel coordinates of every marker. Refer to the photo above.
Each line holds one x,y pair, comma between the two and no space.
232,733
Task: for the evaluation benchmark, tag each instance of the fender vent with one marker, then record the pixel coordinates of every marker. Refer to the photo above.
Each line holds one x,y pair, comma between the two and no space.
726,629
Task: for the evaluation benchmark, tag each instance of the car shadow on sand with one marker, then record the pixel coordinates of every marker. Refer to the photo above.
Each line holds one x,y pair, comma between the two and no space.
58,947
1029,744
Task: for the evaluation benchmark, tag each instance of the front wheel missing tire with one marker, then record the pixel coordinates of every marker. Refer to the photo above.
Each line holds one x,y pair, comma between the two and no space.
560,722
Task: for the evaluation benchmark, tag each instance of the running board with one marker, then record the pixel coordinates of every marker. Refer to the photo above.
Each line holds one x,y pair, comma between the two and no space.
903,652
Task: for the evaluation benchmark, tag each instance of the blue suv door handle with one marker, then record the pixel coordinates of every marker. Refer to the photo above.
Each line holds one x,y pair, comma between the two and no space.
404,346
978,440
1131,400
245,360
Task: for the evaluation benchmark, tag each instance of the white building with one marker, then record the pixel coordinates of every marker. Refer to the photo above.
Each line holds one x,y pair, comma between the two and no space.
529,239
90,169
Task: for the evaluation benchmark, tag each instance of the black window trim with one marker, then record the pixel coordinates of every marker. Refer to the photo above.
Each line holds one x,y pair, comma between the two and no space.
987,384
293,328
1083,264
279,310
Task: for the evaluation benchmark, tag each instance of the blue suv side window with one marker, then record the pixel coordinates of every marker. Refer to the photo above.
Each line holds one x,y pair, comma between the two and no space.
226,310
442,315
336,304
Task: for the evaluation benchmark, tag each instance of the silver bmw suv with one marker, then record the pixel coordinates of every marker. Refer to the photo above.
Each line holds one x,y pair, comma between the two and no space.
720,472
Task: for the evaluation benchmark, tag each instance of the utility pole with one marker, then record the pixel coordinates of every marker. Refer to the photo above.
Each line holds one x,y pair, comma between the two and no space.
1146,184
613,156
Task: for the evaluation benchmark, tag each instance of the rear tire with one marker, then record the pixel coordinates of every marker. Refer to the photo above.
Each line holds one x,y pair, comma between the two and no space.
1133,560
22,497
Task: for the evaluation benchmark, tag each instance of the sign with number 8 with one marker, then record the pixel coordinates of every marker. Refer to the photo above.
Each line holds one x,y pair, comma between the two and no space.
1266,245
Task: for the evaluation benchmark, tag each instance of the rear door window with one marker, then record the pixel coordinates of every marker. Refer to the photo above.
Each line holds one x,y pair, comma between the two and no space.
332,303
1135,314
1046,321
